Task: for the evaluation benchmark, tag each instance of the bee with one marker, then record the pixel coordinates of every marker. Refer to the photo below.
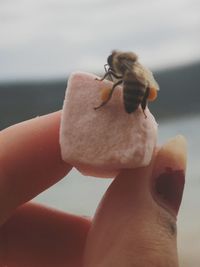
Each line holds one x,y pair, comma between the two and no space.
138,83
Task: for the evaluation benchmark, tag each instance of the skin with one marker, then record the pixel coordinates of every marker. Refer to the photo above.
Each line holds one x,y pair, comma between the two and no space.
135,224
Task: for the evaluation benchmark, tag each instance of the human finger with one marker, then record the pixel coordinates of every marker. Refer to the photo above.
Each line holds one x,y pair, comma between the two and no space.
30,161
135,224
42,237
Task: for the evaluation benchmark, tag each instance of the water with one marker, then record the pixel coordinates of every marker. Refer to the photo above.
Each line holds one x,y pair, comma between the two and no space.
80,195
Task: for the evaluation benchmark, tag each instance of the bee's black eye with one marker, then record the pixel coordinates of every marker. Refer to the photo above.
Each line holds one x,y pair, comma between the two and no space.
109,60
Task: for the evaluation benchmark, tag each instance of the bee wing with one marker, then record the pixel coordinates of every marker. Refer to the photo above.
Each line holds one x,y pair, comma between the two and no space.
142,74
137,69
152,82
145,75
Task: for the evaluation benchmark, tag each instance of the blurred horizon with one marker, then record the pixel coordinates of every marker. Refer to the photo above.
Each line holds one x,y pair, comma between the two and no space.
178,96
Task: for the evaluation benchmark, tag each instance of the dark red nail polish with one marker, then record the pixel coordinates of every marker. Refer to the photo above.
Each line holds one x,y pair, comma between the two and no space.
169,187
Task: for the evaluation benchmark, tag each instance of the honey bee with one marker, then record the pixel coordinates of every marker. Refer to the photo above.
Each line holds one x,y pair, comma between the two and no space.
139,85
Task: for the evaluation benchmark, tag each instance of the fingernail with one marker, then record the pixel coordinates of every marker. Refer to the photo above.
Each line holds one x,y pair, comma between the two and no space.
169,174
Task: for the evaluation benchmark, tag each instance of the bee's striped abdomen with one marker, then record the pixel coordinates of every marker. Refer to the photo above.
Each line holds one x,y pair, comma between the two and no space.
133,95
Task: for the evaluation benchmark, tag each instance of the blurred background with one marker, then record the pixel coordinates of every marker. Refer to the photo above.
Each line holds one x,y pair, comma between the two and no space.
42,42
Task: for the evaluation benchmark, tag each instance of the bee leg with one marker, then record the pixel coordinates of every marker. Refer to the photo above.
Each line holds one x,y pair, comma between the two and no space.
109,73
106,74
105,67
144,101
108,69
110,95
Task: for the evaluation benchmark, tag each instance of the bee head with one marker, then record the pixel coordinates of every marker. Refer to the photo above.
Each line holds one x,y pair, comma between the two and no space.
110,59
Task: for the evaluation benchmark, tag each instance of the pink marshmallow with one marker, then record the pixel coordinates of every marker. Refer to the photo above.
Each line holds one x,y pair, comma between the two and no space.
103,141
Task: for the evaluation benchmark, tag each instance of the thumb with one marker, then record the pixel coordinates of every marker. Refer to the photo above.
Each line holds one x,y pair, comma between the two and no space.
135,224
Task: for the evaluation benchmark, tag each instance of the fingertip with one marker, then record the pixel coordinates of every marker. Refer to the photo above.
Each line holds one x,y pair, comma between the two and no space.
172,154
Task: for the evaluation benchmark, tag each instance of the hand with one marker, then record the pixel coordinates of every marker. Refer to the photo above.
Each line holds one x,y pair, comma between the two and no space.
135,224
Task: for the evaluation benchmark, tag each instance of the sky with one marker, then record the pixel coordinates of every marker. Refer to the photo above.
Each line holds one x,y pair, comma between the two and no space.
50,39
